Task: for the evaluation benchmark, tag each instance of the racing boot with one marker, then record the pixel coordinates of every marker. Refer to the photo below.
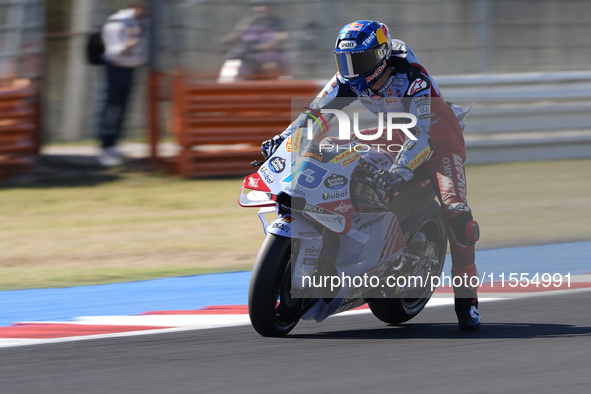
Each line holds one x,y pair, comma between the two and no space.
466,299
467,313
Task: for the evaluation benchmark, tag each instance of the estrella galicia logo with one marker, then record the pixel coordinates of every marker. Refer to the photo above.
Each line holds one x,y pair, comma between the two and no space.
335,181
277,164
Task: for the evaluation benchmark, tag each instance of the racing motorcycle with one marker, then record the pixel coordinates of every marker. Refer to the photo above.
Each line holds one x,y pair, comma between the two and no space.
334,224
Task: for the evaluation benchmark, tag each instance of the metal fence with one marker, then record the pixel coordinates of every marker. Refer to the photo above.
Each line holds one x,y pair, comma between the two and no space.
21,39
451,37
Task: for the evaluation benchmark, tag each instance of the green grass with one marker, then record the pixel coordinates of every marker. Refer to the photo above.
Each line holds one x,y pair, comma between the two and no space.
92,226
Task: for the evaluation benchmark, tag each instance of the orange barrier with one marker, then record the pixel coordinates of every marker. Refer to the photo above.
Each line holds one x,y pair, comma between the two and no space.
220,126
18,128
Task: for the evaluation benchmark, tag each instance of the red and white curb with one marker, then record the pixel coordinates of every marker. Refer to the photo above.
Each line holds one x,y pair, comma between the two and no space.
94,327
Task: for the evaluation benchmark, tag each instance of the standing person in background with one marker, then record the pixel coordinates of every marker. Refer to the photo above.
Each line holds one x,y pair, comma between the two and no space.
125,37
259,42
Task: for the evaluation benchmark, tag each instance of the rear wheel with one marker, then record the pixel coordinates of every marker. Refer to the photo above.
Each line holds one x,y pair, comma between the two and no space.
400,310
271,309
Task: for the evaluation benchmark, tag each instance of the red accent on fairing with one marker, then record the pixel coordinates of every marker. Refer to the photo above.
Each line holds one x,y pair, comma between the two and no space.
333,207
255,182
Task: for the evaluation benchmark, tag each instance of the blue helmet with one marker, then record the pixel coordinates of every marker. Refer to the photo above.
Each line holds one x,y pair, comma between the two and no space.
362,51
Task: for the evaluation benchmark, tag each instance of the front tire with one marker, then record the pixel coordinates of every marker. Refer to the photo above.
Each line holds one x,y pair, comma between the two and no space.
400,310
272,311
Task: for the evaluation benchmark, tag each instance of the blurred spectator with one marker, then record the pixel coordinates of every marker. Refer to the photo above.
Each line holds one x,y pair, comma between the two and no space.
125,38
256,46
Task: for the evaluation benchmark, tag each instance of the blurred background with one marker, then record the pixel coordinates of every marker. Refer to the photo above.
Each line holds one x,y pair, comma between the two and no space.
44,39
525,63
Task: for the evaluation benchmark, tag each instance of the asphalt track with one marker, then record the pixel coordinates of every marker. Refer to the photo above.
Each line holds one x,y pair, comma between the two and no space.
539,345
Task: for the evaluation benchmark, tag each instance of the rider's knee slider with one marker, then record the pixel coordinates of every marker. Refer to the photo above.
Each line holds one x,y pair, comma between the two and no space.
463,226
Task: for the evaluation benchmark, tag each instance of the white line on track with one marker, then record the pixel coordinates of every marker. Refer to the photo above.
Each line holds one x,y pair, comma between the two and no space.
181,323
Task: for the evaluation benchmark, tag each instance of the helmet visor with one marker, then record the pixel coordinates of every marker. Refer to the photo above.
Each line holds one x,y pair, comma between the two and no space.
354,64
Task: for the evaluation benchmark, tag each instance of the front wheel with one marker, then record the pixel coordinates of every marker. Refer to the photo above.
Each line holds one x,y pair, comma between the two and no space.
400,310
272,311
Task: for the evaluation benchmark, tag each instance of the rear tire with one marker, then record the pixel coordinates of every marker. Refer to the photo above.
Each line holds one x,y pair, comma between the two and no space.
272,311
400,310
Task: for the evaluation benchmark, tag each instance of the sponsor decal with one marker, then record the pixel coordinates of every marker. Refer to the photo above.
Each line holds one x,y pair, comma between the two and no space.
350,160
424,183
371,222
420,158
353,26
253,182
342,156
277,164
309,261
286,219
288,144
281,227
385,31
423,109
334,221
427,116
291,190
447,185
377,72
312,250
335,195
336,181
347,44
421,99
308,234
381,36
418,85
369,39
343,208
297,138
313,209
315,156
390,92
400,82
460,176
268,178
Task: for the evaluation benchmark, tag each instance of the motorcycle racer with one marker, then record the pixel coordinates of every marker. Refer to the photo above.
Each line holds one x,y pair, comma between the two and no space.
374,68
